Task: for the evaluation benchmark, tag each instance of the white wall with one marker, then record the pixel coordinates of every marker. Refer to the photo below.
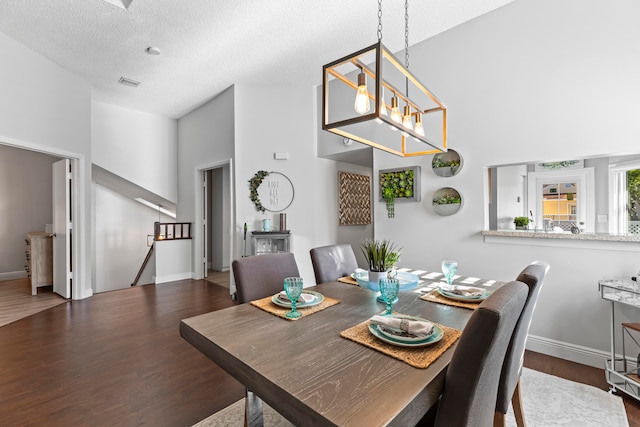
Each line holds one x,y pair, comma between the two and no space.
511,198
25,204
48,109
137,146
206,137
310,217
534,80
121,237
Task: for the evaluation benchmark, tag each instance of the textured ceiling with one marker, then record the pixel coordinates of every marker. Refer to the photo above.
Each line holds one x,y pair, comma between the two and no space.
208,45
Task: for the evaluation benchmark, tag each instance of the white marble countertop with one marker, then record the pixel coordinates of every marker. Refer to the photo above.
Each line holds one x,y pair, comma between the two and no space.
601,237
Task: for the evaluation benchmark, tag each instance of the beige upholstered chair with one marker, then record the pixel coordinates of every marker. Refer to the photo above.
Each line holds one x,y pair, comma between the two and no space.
333,262
509,387
259,276
471,381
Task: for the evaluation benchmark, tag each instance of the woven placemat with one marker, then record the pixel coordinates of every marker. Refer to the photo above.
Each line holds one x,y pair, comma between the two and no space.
434,296
348,279
267,305
418,357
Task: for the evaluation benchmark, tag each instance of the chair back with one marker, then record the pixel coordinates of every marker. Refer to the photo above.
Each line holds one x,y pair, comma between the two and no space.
471,382
533,276
259,276
333,262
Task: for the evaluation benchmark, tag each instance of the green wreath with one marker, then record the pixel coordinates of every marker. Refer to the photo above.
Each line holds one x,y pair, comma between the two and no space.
254,183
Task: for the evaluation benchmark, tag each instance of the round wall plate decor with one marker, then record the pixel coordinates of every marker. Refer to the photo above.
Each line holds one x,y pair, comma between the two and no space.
276,192
447,164
446,201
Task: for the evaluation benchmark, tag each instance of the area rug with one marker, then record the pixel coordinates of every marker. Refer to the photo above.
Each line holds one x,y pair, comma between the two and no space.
548,402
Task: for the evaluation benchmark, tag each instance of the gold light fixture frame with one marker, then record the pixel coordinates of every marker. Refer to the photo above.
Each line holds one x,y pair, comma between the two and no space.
374,71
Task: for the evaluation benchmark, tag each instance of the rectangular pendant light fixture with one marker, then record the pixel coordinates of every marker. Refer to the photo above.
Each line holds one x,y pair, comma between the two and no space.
370,97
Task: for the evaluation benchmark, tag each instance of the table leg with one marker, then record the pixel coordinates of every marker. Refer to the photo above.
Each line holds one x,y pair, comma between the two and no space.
253,410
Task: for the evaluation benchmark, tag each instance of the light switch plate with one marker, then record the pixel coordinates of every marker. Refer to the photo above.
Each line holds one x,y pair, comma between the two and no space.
602,218
281,156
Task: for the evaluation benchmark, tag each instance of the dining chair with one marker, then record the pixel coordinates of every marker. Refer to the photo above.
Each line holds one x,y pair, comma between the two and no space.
263,275
471,381
257,277
333,262
509,387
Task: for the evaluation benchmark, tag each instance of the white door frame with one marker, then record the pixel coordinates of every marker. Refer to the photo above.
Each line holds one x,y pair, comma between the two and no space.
198,237
79,253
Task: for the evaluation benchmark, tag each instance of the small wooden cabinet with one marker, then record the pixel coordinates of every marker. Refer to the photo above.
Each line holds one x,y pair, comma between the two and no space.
39,259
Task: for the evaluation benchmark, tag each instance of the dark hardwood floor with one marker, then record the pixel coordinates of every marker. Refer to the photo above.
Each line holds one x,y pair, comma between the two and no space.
114,359
117,359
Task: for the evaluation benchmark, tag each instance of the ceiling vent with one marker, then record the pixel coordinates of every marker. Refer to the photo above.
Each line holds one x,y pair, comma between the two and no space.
122,4
128,82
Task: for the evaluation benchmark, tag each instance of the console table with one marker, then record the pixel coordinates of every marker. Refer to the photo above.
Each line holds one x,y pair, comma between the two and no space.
619,377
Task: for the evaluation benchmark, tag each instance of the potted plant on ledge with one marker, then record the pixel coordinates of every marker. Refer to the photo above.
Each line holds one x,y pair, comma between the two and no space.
521,222
381,257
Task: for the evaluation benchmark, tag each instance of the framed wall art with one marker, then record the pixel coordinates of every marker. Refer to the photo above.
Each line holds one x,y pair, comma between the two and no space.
354,199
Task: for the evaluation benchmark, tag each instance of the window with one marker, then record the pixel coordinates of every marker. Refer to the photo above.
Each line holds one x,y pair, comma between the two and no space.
625,198
562,198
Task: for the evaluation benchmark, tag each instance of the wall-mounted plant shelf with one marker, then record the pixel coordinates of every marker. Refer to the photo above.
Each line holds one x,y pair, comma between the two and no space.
401,184
447,164
447,201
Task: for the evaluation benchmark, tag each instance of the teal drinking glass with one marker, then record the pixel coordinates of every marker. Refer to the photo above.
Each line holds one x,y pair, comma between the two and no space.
449,269
389,292
293,289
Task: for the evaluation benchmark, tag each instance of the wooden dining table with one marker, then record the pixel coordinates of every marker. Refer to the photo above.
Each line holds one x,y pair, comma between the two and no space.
310,374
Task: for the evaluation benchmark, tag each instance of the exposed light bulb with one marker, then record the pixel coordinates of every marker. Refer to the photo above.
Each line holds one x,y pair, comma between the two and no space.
395,114
383,106
419,129
362,104
406,118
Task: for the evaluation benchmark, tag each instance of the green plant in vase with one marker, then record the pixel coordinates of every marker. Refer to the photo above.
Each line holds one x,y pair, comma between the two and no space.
521,222
381,257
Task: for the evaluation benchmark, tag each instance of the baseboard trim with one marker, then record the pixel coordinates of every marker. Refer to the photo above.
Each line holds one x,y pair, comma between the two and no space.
575,353
13,275
172,277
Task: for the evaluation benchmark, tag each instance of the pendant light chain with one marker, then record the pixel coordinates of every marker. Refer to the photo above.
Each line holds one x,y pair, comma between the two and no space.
379,20
406,34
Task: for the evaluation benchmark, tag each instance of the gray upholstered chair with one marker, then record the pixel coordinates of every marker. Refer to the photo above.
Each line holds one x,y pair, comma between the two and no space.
333,262
259,276
509,387
471,381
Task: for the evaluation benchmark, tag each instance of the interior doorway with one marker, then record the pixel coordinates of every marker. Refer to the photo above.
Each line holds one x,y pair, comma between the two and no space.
61,265
217,219
214,222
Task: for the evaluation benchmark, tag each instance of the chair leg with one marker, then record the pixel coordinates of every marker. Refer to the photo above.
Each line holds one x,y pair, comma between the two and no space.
499,419
516,402
252,410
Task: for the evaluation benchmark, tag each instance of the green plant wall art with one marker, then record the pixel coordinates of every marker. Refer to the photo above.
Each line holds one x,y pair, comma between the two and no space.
400,184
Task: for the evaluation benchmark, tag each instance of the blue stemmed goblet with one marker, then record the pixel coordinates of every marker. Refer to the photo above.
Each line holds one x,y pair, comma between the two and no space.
389,292
293,289
449,269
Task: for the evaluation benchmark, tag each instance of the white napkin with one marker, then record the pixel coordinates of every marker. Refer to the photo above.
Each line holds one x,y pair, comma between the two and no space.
304,297
467,291
414,327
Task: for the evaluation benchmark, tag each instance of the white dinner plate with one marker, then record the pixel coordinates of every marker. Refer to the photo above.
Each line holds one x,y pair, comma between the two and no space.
318,298
435,336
